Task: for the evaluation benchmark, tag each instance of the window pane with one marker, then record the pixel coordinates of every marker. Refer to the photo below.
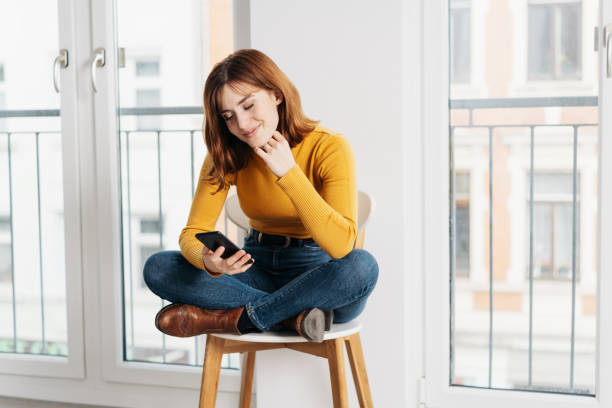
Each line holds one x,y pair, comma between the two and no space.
5,262
460,43
150,226
563,240
498,135
541,41
34,319
147,68
148,98
553,183
463,241
168,52
542,245
570,49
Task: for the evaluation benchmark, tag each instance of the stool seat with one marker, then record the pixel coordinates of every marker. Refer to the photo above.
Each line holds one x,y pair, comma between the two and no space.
337,330
339,337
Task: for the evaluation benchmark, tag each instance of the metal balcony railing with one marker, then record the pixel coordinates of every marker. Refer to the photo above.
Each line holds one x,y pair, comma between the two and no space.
484,105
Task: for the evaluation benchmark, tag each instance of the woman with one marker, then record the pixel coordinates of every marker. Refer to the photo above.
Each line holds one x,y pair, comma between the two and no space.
296,182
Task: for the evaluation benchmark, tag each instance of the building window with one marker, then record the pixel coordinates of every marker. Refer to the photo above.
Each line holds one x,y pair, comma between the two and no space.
5,223
147,68
147,98
554,40
5,262
150,226
2,98
552,226
144,252
460,43
462,224
147,86
146,243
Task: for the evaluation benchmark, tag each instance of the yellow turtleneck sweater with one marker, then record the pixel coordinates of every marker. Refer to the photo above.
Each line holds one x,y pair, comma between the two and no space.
316,199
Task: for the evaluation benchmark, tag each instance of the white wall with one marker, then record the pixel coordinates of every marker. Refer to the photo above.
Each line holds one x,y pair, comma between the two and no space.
355,66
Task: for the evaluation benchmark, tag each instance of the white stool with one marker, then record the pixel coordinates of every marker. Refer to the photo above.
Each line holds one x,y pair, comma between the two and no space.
332,348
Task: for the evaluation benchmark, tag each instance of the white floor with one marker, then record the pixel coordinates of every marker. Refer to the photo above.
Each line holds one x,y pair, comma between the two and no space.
26,403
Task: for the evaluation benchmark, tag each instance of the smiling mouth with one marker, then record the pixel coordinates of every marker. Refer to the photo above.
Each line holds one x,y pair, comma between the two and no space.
252,132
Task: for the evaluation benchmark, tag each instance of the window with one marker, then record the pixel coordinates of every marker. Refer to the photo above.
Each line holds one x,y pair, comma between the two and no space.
5,223
150,226
554,40
146,242
460,44
462,224
2,98
147,98
144,252
5,262
552,226
5,249
147,68
147,90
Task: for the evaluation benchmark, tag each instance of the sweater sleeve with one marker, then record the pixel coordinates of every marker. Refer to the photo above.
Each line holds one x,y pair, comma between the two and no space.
205,210
331,216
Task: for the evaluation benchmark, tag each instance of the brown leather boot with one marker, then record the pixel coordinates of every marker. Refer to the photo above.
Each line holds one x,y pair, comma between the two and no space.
309,323
182,320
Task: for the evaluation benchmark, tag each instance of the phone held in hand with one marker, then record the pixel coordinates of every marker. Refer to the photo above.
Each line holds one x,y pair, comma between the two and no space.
215,239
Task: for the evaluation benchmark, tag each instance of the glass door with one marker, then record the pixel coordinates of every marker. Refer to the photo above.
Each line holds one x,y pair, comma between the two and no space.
40,270
526,150
150,98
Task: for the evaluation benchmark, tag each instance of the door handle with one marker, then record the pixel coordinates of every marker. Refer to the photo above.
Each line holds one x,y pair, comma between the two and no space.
61,61
98,60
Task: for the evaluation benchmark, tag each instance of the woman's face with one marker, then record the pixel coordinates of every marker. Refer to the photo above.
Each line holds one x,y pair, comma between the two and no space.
250,113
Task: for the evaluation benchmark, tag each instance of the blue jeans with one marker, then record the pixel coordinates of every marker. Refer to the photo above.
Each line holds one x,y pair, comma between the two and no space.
280,284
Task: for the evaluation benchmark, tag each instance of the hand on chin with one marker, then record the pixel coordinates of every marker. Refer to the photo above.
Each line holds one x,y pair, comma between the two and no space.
262,142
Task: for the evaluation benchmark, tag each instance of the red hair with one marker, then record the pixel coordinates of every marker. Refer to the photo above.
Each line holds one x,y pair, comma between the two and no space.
253,67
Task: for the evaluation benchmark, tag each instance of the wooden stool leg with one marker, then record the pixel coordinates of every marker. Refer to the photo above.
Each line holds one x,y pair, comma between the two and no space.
211,371
337,374
246,385
360,376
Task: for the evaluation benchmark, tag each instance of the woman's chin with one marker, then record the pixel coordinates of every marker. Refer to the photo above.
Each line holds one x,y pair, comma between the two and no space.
259,142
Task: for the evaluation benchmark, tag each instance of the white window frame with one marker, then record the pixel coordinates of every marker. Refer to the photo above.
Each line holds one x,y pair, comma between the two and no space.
72,366
107,224
437,389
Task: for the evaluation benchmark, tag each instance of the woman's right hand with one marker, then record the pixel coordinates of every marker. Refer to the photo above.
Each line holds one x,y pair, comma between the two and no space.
229,266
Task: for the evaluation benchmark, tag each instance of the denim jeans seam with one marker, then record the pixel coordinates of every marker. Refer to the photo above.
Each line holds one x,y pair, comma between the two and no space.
251,313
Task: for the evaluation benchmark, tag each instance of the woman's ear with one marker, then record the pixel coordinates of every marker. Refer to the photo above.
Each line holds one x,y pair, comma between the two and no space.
278,96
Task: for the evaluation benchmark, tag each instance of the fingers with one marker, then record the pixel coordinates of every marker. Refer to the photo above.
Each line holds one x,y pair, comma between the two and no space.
237,257
278,137
219,251
237,263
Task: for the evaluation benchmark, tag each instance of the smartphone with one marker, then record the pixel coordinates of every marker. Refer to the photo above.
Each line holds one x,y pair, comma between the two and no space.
215,239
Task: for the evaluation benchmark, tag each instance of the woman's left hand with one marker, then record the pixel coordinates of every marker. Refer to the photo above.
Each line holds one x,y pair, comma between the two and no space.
277,154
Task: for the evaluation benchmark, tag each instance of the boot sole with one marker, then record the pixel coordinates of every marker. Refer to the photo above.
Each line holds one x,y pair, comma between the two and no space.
313,325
